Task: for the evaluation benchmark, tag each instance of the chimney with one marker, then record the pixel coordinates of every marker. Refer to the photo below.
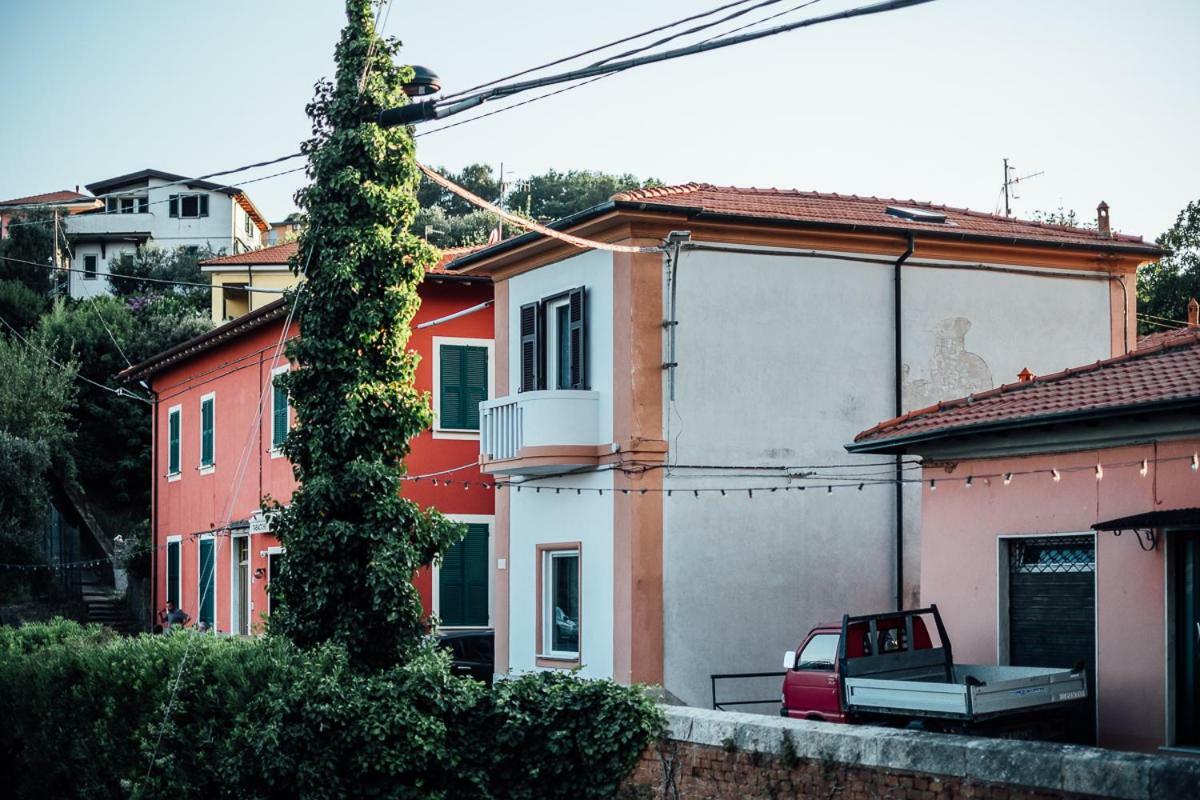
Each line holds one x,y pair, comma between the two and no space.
1102,219
1025,376
1193,314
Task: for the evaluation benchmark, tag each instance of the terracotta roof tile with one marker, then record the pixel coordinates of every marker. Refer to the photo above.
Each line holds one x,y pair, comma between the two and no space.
282,253
839,209
1166,371
63,196
1161,337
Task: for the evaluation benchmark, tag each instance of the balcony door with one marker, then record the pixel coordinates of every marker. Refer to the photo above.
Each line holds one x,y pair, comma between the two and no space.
1184,549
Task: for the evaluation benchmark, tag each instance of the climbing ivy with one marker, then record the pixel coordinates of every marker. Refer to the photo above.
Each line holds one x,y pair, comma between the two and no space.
353,543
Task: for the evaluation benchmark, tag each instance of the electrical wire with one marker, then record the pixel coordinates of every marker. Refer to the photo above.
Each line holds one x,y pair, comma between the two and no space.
595,49
123,276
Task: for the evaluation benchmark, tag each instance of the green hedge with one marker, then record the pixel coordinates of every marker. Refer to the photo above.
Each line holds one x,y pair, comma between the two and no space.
260,718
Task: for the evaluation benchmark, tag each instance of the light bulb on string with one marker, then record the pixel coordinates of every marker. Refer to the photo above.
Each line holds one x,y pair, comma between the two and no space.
1195,462
970,481
1099,472
933,484
1145,468
1007,478
1055,475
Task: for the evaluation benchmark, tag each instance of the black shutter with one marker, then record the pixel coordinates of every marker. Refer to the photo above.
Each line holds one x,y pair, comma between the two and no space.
577,327
173,205
531,348
203,205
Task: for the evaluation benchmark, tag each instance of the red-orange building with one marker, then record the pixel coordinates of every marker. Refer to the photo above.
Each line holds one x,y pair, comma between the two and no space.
213,464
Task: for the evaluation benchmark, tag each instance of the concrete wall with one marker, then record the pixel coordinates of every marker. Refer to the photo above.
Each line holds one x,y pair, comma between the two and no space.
781,362
713,755
960,548
281,278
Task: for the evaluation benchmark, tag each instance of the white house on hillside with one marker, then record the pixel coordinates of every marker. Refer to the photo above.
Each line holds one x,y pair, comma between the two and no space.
157,208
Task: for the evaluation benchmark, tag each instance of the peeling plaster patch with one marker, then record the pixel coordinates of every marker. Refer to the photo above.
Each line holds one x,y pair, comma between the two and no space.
953,371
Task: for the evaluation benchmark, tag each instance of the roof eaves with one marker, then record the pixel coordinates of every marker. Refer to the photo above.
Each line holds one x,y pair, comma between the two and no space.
531,236
894,444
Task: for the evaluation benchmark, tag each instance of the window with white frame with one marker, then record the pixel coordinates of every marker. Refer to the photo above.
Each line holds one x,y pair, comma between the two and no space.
208,432
553,342
280,416
174,441
462,380
560,603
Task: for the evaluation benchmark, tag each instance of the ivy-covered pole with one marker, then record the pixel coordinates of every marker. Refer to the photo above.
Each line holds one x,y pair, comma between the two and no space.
353,543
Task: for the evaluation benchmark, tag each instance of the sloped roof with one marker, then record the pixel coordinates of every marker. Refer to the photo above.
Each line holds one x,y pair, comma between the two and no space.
59,197
1162,337
105,186
869,212
280,254
1166,373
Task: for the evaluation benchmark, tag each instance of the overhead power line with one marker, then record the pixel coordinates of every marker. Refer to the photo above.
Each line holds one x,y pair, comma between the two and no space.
122,276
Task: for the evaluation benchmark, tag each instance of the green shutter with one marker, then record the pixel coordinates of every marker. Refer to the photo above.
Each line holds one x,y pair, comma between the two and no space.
173,573
173,443
464,385
208,583
279,419
206,432
463,580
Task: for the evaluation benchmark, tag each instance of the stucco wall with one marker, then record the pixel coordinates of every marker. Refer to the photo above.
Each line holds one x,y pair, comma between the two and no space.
781,362
594,271
550,517
960,548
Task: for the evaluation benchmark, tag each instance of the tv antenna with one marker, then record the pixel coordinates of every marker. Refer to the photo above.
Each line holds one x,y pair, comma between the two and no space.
1010,181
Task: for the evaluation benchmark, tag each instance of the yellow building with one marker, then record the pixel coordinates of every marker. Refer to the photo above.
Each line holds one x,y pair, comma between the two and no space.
241,275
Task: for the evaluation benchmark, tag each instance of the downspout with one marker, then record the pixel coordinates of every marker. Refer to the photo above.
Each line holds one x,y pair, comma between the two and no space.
898,369
153,555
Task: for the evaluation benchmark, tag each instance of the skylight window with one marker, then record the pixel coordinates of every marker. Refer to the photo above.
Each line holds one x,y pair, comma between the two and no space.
917,214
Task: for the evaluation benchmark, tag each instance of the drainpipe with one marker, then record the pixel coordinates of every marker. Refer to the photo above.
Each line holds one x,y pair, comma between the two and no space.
153,504
898,369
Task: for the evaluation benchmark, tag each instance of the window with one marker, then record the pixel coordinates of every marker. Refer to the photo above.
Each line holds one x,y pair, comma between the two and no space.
274,561
174,423
820,653
279,410
463,580
554,342
188,206
249,223
462,386
207,431
129,204
560,604
112,205
89,268
207,583
174,543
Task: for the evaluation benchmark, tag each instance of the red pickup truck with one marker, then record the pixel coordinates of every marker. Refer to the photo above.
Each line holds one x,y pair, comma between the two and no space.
892,669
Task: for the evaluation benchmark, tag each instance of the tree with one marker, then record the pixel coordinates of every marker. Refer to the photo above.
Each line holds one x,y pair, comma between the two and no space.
1165,288
20,306
35,434
555,195
1064,217
30,242
151,265
353,543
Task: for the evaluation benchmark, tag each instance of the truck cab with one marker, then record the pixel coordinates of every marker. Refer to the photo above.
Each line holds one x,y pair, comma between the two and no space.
812,686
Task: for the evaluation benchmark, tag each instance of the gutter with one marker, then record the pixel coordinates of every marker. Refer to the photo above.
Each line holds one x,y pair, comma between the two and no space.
898,393
901,444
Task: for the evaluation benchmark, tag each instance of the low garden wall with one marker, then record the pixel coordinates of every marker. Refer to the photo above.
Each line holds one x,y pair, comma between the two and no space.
716,754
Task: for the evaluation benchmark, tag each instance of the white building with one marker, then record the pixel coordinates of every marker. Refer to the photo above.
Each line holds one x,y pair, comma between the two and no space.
668,424
161,210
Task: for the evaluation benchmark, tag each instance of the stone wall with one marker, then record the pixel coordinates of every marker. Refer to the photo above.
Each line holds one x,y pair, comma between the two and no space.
717,755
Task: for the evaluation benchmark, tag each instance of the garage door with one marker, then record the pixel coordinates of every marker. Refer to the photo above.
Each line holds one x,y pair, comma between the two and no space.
1052,608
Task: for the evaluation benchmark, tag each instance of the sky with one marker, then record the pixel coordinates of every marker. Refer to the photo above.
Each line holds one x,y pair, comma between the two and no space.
1101,96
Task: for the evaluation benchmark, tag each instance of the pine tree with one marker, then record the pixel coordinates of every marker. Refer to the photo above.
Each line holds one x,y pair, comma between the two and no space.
352,542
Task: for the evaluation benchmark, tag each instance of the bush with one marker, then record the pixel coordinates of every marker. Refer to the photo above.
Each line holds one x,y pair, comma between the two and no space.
262,719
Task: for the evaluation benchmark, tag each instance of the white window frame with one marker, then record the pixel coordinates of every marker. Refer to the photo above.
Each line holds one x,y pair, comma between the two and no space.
438,431
550,318
547,601
174,476
275,451
436,572
272,551
207,469
176,540
179,205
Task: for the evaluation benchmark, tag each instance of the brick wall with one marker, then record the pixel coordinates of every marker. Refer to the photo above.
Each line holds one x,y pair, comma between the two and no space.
701,772
716,755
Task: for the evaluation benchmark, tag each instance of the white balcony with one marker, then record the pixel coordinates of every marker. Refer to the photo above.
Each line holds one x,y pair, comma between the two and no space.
535,433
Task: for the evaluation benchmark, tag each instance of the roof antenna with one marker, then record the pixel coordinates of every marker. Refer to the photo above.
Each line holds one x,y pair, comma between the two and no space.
1010,181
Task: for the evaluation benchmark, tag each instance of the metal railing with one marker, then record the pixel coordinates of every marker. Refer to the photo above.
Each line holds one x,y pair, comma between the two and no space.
500,428
741,676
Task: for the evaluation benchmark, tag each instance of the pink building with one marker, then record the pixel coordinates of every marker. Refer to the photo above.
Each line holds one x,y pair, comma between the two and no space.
1061,523
214,555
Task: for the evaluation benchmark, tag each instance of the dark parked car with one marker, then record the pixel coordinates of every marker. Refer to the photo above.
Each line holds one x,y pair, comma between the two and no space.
473,653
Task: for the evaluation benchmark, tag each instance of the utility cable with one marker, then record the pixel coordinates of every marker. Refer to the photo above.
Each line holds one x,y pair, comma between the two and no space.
122,276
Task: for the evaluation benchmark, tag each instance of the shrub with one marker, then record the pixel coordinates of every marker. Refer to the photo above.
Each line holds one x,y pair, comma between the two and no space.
263,719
